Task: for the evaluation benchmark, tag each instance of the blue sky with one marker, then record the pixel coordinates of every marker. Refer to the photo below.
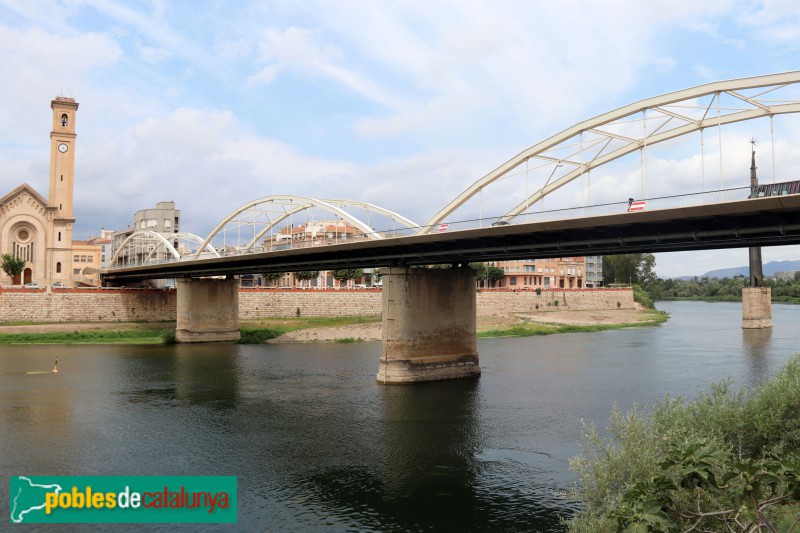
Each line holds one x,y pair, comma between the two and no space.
401,104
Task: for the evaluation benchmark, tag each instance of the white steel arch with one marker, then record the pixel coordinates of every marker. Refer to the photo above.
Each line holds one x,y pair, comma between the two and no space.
150,242
291,204
606,137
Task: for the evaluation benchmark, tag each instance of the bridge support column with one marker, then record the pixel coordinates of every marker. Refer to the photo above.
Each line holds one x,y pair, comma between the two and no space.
429,325
756,307
208,310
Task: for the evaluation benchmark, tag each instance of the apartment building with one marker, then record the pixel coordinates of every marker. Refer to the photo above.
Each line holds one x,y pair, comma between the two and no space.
553,273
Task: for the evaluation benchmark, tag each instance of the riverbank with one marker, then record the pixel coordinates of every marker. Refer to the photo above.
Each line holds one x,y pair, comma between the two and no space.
499,325
335,329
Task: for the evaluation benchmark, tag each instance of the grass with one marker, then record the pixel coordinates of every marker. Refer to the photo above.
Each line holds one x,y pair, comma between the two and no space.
292,323
259,331
134,336
534,328
252,332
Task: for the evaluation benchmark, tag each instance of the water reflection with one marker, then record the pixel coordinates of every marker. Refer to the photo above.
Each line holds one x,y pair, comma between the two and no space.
207,375
757,345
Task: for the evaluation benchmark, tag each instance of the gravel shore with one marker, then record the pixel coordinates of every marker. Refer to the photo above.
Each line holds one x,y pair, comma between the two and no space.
372,332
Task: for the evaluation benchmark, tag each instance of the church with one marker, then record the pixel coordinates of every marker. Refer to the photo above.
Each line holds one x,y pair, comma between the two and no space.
38,229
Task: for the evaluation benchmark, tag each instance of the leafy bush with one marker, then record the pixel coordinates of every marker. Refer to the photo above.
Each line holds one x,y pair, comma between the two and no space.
726,461
641,296
257,335
168,336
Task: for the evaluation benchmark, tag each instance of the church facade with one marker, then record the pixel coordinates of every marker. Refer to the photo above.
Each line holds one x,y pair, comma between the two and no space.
38,229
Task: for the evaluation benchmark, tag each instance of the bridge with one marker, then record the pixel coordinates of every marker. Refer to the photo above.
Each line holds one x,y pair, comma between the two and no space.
429,315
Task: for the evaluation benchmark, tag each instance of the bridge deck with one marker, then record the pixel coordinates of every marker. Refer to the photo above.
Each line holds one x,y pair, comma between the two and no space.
767,221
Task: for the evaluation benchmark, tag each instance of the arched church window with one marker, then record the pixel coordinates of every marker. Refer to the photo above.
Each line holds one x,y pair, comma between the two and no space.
59,236
64,120
58,268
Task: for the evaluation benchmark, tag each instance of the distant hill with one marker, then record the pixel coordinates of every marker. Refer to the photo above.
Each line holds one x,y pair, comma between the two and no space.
769,270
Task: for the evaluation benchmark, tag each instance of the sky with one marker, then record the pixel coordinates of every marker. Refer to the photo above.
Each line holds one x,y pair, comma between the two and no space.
402,104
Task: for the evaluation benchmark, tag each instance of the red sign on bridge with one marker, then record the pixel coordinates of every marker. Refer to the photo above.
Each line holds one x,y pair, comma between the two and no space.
640,205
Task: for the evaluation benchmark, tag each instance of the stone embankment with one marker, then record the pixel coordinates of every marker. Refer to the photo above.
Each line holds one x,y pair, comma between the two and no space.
125,305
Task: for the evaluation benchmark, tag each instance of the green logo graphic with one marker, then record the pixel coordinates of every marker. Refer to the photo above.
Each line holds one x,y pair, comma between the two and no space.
122,499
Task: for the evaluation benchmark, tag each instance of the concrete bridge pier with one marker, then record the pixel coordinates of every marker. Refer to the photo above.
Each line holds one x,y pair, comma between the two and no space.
429,325
756,307
208,310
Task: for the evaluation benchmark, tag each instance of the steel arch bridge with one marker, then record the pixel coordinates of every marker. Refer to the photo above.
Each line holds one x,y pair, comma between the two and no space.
563,158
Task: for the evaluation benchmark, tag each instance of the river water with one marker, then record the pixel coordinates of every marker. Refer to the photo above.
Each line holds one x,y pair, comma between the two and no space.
318,445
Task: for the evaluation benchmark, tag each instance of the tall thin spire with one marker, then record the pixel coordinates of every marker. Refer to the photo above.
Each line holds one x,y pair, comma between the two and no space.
756,271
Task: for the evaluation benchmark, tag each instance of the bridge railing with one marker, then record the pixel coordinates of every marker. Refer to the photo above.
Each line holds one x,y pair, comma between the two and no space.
531,216
630,206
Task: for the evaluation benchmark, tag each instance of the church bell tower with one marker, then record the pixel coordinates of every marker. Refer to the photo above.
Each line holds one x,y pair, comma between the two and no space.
62,180
62,156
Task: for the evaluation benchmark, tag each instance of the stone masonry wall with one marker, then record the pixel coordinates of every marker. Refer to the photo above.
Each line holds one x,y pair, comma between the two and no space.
492,302
82,305
120,305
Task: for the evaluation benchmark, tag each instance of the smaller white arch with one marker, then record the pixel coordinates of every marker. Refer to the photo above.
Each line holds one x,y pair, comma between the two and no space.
161,242
152,235
297,203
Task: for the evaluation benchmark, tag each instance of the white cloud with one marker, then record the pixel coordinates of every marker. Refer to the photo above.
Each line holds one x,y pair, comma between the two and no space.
151,54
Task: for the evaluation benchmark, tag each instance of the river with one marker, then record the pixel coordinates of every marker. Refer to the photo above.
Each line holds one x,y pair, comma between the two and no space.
318,445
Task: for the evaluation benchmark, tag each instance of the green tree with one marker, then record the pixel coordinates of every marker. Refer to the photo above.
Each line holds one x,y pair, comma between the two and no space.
494,274
306,275
480,273
630,268
273,277
347,274
12,266
485,274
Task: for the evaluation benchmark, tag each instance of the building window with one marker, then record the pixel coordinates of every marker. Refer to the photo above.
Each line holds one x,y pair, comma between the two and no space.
58,268
59,236
64,120
76,271
513,280
76,258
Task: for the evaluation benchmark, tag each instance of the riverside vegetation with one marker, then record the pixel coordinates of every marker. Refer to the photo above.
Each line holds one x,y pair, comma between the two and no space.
253,332
260,331
726,461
